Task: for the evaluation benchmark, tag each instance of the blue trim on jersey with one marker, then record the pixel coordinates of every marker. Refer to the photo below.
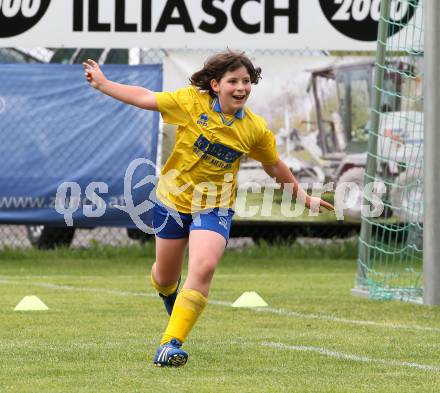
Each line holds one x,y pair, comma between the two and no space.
215,105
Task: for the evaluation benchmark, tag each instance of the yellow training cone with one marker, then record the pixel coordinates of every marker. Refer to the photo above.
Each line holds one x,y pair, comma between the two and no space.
31,303
250,299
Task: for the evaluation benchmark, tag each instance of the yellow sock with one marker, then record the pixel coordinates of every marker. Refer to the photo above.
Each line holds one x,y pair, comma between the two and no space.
187,308
168,290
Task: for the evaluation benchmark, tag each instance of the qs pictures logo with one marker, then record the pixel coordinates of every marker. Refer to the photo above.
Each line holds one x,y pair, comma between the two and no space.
18,16
359,19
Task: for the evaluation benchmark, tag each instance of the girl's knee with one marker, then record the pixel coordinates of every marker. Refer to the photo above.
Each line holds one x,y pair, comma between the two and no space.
163,278
204,267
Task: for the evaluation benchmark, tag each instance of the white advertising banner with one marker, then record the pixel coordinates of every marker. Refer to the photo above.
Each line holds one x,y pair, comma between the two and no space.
283,24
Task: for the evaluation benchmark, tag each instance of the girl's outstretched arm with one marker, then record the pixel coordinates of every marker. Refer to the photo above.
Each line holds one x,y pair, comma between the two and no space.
281,172
133,95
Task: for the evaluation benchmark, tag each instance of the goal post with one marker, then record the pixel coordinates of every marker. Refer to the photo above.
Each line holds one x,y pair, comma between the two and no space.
431,233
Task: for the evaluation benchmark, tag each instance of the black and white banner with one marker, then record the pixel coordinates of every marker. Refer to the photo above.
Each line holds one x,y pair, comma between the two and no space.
284,24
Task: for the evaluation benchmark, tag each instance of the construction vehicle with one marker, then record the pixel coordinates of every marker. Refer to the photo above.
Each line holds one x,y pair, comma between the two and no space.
341,129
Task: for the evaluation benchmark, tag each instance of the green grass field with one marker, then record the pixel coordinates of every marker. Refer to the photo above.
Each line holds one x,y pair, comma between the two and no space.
104,324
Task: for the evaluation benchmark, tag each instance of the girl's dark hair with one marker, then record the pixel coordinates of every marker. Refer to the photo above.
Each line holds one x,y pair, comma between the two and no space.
217,65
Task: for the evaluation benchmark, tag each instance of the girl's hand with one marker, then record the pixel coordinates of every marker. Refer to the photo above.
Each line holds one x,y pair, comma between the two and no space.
93,74
316,204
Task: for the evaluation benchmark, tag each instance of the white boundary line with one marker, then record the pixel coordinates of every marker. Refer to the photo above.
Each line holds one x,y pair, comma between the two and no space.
351,357
72,288
331,318
269,310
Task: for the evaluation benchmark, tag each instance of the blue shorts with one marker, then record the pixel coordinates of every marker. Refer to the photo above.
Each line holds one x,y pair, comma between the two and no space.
170,224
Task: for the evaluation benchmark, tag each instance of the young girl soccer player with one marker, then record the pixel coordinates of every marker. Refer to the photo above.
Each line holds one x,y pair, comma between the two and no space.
215,130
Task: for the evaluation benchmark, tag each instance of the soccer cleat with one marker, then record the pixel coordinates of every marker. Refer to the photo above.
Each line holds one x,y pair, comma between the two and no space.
169,300
170,355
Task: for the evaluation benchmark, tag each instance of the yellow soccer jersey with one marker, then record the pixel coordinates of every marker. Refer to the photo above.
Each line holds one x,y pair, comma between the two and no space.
201,172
